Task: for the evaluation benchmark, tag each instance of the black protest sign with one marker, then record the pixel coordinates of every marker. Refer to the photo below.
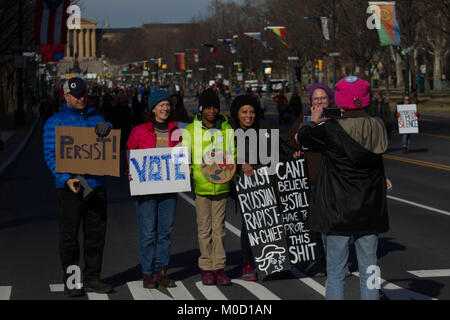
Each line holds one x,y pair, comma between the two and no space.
260,210
293,191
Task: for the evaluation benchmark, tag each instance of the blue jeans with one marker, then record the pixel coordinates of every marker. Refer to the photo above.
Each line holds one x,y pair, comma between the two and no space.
406,140
155,218
337,256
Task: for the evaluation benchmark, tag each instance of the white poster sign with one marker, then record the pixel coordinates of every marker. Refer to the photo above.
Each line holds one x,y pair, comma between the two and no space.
407,121
159,170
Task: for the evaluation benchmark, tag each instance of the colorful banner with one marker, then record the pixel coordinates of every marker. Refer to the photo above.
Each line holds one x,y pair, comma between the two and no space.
181,61
280,32
386,20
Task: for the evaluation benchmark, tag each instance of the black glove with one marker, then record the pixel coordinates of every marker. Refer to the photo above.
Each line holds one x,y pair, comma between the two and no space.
102,129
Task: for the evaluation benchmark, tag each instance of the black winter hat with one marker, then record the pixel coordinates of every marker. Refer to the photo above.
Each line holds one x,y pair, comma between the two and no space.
207,99
242,100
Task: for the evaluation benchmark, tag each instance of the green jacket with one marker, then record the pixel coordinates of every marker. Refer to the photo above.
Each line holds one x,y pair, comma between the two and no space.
200,140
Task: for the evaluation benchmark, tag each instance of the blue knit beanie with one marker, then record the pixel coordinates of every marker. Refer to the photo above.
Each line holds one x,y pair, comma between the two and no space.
156,97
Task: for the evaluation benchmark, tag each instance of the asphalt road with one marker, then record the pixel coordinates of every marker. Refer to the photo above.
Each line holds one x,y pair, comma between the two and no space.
417,240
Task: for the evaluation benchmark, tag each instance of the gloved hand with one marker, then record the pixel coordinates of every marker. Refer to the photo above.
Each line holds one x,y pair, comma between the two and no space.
102,129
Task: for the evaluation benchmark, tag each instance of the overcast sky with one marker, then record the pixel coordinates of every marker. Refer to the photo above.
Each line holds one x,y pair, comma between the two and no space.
133,13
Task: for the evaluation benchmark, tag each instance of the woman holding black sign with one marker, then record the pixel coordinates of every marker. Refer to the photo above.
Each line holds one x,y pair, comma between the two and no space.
245,112
155,212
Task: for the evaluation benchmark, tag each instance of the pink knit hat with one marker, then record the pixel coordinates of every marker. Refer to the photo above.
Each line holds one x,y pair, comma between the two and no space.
352,93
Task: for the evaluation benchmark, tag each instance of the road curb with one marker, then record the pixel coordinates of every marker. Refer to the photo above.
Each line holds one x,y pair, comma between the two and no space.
14,155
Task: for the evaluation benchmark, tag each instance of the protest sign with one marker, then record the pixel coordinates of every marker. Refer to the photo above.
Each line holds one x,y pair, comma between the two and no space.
275,209
263,222
80,151
159,170
407,121
293,190
218,166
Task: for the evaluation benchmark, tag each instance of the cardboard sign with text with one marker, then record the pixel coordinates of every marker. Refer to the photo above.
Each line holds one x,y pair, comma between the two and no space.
159,170
80,151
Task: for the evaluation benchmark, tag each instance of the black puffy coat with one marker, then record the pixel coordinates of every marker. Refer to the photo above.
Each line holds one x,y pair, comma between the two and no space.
350,194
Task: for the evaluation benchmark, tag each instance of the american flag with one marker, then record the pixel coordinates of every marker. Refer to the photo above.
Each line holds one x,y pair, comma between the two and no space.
51,21
51,28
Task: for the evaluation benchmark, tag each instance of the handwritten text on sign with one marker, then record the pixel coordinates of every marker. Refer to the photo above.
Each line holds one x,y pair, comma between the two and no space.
80,151
275,209
408,121
293,188
159,170
263,222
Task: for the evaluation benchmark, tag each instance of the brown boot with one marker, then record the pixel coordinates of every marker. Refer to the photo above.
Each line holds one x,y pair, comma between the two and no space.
163,280
149,281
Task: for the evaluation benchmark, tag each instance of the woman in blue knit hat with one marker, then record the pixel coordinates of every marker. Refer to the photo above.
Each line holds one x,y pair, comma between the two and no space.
155,213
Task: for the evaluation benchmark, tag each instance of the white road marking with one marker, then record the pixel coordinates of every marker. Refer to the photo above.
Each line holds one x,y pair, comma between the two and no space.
394,292
419,205
5,292
57,287
261,292
138,292
210,292
180,292
431,273
97,296
316,286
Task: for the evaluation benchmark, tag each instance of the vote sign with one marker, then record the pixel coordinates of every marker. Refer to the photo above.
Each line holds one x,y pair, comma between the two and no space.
159,170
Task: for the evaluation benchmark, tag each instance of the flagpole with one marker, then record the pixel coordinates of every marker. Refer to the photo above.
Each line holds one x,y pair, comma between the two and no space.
407,45
20,114
334,43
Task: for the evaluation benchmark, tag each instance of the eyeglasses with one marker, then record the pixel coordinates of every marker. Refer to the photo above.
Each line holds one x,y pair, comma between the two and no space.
319,98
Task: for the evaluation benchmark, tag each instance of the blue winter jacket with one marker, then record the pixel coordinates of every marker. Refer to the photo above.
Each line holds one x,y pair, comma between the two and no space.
68,117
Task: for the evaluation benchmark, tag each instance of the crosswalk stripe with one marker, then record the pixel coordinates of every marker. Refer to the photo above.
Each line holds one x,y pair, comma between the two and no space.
210,292
180,292
57,287
97,296
138,292
431,273
5,292
394,292
309,281
261,292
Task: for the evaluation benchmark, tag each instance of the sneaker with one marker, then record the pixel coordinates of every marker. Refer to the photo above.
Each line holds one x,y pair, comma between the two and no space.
73,292
208,278
98,286
248,274
221,277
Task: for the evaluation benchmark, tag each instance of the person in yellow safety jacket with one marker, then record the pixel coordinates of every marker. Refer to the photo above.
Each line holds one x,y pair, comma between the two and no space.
210,134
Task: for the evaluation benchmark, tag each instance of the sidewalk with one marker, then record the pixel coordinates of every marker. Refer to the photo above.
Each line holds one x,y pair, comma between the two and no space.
14,138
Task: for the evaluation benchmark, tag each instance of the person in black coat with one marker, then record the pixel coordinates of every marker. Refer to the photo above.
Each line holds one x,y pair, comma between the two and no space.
350,195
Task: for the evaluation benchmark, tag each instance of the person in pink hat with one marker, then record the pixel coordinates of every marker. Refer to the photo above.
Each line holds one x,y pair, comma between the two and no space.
349,200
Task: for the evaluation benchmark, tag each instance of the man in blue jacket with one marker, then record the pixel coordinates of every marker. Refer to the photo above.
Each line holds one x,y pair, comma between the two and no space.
76,207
